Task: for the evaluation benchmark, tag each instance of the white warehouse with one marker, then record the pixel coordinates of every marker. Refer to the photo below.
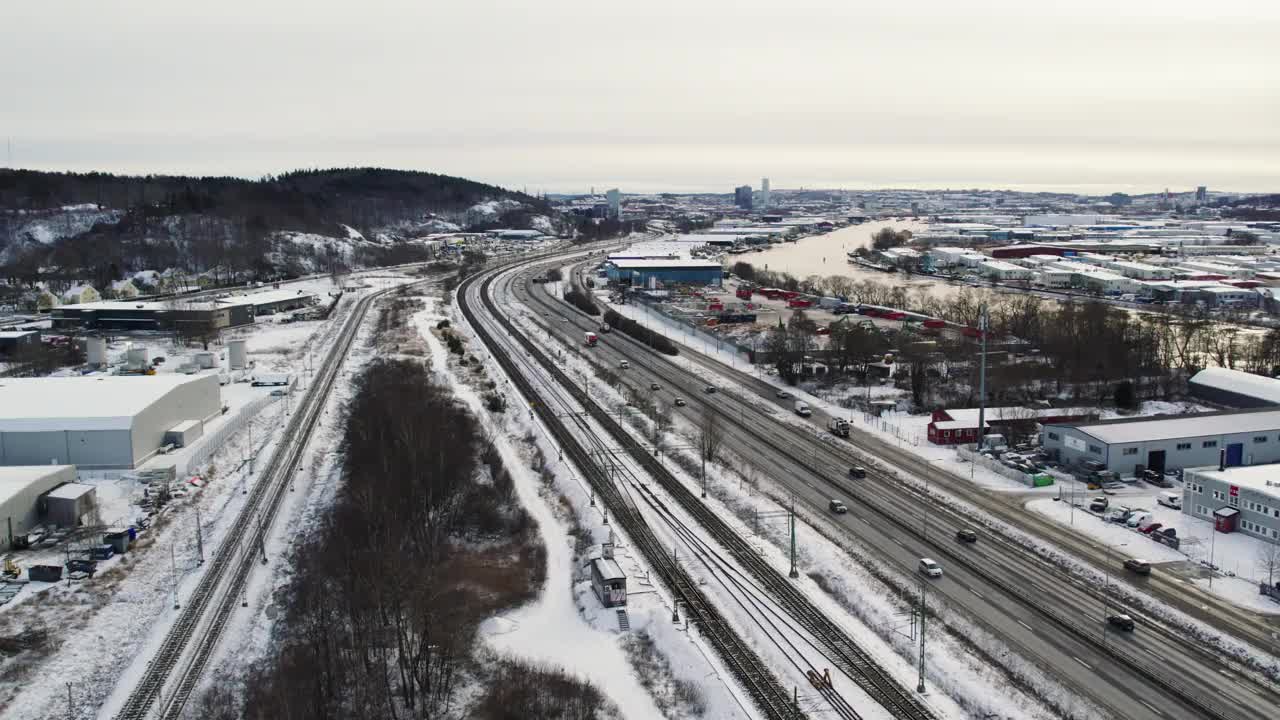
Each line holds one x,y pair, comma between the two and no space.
98,422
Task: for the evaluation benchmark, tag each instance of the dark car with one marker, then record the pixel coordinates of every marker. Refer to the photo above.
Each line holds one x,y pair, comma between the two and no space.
655,386
709,389
837,507
1134,565
857,471
966,535
1124,623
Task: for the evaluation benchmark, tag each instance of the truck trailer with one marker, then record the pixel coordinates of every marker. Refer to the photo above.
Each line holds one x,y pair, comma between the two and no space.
838,427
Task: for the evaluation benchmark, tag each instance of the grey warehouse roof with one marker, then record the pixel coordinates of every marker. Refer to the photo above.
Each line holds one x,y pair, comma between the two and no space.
1126,431
16,478
103,402
1241,383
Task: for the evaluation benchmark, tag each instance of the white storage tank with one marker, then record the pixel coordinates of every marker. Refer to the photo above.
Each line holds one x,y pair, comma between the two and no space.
137,358
239,354
206,360
95,350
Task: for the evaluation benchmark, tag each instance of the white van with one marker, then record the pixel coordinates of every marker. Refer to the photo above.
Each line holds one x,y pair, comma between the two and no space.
802,409
1170,500
1137,518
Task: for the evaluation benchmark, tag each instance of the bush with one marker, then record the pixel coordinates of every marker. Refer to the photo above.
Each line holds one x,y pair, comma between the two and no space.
580,300
524,690
495,403
554,275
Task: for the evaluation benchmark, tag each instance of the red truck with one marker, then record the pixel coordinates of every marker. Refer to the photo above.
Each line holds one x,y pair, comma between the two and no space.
743,293
592,339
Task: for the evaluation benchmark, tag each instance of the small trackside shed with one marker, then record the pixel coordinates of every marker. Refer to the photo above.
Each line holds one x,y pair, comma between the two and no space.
21,488
15,342
609,582
1242,437
1234,388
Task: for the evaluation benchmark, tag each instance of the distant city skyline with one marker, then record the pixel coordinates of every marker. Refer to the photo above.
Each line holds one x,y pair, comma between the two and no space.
1096,96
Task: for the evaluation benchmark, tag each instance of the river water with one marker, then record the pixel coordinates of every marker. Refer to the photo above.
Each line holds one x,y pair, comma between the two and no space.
825,255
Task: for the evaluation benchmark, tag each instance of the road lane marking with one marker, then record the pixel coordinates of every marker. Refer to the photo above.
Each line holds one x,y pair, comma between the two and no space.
1085,664
975,592
1026,626
1151,707
896,540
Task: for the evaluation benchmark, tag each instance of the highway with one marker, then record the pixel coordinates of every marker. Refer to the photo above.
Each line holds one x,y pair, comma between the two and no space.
1041,612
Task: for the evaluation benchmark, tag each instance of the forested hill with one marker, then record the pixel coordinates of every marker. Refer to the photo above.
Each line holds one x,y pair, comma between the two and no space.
74,223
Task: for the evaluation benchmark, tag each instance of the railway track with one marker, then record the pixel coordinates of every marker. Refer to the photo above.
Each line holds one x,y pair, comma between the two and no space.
839,648
211,604
812,456
766,692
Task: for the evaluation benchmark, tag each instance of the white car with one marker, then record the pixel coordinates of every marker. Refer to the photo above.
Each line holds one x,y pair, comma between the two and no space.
930,567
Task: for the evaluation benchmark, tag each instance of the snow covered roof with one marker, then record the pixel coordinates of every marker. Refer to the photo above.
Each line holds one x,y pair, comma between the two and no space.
609,569
1241,383
16,478
70,491
116,305
81,403
673,264
1119,432
13,334
268,297
1262,478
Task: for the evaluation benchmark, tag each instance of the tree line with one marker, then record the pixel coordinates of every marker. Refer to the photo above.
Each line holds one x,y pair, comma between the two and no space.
426,538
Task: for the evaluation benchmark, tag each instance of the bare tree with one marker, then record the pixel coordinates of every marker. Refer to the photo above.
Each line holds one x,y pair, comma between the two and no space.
710,437
1269,560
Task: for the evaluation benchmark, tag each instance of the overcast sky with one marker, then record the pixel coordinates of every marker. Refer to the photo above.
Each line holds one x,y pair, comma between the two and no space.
560,95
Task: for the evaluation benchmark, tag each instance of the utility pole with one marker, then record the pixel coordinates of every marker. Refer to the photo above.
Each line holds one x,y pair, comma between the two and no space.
794,572
199,536
920,682
70,708
173,576
983,322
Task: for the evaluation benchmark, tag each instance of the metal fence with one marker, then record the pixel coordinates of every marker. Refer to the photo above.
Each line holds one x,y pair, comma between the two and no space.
210,444
686,330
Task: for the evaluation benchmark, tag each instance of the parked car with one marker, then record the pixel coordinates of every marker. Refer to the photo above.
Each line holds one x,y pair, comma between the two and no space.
1099,504
680,402
1136,518
1170,500
1140,567
930,567
966,535
837,507
782,394
1150,528
1120,514
1123,623
857,472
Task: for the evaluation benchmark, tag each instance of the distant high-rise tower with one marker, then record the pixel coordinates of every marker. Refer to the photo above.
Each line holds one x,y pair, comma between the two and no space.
764,193
615,203
1202,194
742,197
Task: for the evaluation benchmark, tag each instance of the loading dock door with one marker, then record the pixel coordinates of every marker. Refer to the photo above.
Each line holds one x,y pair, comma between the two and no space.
1155,460
1235,454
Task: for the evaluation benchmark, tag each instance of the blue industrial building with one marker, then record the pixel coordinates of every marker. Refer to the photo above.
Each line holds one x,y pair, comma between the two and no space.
663,272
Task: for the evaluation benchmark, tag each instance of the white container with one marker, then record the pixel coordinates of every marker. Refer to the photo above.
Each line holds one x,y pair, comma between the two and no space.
206,360
95,350
137,358
238,354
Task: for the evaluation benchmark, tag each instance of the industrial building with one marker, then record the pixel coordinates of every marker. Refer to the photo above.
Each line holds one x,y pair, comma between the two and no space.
1234,388
1243,437
99,422
21,490
71,505
15,342
216,314
1237,499
652,273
